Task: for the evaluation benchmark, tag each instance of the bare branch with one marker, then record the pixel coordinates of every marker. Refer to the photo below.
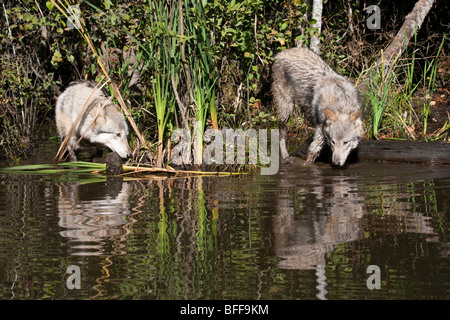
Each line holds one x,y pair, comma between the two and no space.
412,24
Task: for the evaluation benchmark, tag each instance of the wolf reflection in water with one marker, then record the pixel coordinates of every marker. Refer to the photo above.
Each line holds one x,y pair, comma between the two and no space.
331,215
90,215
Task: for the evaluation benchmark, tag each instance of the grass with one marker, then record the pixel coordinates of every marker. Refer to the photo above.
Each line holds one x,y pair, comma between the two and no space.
164,106
400,100
429,84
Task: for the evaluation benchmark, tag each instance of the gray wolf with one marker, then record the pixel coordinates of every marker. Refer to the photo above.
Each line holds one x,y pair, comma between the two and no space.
301,76
102,124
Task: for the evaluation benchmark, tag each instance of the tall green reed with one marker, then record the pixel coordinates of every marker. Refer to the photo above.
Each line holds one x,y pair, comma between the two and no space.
164,106
202,70
162,54
378,94
177,50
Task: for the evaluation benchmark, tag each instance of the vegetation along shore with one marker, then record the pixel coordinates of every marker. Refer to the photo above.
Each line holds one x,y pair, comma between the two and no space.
197,65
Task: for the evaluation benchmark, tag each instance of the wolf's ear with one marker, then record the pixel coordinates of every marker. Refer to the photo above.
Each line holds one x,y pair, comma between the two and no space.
330,115
355,115
102,114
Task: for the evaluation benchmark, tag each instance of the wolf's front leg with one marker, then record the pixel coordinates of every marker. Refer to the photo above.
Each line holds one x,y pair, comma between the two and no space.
72,148
283,148
72,155
316,145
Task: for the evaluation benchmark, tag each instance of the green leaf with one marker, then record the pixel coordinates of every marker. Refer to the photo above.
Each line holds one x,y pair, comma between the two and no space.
230,30
57,57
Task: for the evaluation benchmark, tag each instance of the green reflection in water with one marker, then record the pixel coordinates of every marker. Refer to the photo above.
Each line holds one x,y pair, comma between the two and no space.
204,238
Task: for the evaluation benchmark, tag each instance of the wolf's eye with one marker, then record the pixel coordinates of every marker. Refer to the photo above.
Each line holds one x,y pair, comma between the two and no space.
346,142
118,134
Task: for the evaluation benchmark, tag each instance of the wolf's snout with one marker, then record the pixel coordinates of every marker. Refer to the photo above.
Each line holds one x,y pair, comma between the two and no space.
124,155
337,163
128,156
338,160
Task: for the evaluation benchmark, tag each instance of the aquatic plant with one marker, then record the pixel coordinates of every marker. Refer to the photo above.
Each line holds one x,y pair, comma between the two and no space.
99,169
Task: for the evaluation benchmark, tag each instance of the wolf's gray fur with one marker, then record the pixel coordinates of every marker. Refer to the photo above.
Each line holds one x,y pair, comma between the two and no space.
301,76
103,123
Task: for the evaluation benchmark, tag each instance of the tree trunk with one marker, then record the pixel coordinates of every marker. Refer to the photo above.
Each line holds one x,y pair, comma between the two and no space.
316,15
412,24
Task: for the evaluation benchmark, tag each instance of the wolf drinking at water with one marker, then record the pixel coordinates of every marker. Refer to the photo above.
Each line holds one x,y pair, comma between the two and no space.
301,76
102,122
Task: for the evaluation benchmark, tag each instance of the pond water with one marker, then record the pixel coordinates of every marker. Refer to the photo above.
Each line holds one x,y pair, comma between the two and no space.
370,231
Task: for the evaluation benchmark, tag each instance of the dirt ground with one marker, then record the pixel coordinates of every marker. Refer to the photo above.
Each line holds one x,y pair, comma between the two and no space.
440,110
440,101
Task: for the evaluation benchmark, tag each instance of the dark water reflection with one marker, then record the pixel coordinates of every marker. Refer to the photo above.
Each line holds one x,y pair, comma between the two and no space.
307,233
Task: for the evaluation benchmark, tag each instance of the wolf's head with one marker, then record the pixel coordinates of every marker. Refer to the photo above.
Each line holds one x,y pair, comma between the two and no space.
110,129
342,132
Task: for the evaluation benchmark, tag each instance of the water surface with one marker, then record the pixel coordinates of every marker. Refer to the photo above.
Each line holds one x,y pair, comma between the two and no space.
309,232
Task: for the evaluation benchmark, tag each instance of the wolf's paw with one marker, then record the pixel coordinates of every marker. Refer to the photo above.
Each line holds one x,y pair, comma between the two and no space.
310,158
302,163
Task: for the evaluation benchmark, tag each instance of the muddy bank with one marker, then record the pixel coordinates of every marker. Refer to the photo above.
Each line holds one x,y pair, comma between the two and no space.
369,150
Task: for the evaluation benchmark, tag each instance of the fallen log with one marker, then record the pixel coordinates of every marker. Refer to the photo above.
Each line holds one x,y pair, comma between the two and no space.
389,150
403,151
